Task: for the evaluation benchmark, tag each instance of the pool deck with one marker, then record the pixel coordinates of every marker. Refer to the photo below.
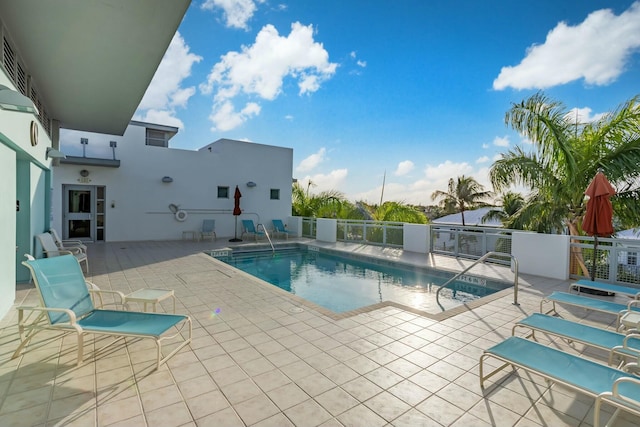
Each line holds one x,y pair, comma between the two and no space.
261,357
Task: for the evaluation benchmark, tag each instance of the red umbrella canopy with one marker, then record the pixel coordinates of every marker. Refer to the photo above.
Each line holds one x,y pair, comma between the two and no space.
236,199
598,218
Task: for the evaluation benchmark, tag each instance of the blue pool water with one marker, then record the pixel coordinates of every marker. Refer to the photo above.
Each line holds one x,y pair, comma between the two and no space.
343,284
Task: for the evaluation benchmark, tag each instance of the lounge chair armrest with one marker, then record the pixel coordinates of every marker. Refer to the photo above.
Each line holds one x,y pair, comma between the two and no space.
625,341
75,250
104,291
633,303
58,252
70,313
616,389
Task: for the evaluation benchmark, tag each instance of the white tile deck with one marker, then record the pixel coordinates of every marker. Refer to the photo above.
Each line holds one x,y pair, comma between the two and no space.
257,360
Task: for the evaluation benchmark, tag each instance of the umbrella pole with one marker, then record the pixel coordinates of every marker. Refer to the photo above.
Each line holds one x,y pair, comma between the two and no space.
593,264
235,232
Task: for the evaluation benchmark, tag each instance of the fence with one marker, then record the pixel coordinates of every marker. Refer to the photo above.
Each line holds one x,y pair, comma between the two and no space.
470,242
612,260
557,256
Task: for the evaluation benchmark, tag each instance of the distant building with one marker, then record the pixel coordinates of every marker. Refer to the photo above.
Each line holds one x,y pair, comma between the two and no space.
131,187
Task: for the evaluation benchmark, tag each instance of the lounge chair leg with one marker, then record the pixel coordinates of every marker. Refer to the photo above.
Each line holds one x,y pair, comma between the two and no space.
80,346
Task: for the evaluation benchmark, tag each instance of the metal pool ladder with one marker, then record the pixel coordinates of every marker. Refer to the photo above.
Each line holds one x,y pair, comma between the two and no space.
483,259
266,233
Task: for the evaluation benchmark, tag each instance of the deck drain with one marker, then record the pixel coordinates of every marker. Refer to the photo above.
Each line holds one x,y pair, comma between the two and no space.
296,310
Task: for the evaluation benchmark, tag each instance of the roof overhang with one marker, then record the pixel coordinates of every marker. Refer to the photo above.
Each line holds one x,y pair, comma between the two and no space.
92,61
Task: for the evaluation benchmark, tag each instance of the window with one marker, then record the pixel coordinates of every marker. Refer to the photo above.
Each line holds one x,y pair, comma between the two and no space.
275,194
632,258
156,138
223,192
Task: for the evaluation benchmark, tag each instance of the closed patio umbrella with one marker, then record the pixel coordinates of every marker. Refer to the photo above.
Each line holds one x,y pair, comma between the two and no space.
598,218
236,212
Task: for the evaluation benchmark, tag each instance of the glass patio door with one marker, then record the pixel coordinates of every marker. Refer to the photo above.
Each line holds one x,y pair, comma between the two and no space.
79,215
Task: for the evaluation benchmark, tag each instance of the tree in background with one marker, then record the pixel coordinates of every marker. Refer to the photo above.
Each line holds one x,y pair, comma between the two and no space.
565,157
326,204
394,212
462,194
510,205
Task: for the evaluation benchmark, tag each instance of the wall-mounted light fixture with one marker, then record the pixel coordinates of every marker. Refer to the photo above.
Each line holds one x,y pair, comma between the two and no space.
15,101
167,179
52,153
84,173
251,184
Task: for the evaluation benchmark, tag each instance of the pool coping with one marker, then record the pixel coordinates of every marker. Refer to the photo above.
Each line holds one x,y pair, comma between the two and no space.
346,254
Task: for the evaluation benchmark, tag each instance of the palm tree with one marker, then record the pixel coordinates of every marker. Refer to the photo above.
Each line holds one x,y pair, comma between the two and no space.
462,193
326,204
395,212
511,203
565,157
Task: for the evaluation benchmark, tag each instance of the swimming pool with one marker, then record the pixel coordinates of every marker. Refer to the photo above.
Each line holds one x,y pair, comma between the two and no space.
342,284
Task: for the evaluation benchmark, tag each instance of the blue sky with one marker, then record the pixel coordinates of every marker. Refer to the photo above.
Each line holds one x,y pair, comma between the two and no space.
416,88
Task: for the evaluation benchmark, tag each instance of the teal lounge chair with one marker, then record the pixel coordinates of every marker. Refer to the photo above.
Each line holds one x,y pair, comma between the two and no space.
605,287
208,230
279,228
249,228
588,303
613,342
613,386
66,305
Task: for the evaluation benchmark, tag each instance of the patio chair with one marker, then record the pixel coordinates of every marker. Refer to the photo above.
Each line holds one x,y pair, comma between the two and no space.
279,228
50,249
66,304
250,229
616,387
613,342
67,245
208,229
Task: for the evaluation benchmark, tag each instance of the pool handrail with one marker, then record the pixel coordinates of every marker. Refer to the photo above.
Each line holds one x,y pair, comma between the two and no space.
266,233
482,259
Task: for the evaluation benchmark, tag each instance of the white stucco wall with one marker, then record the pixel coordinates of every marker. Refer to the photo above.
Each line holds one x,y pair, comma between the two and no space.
416,238
545,255
18,158
326,230
141,200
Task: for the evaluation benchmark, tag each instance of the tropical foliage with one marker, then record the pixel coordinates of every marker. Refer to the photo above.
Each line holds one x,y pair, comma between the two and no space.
507,213
395,212
564,158
326,204
462,194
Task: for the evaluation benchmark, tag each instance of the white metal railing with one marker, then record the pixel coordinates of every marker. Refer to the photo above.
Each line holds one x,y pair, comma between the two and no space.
371,232
483,259
470,242
612,260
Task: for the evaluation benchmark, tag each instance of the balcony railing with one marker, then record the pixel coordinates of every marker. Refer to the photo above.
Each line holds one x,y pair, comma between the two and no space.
614,260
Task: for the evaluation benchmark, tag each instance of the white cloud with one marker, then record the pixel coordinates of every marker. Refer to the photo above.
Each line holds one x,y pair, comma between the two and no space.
236,12
165,92
288,117
259,70
162,117
361,63
334,180
404,168
485,146
419,192
595,50
483,159
312,161
501,141
497,157
225,117
583,115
